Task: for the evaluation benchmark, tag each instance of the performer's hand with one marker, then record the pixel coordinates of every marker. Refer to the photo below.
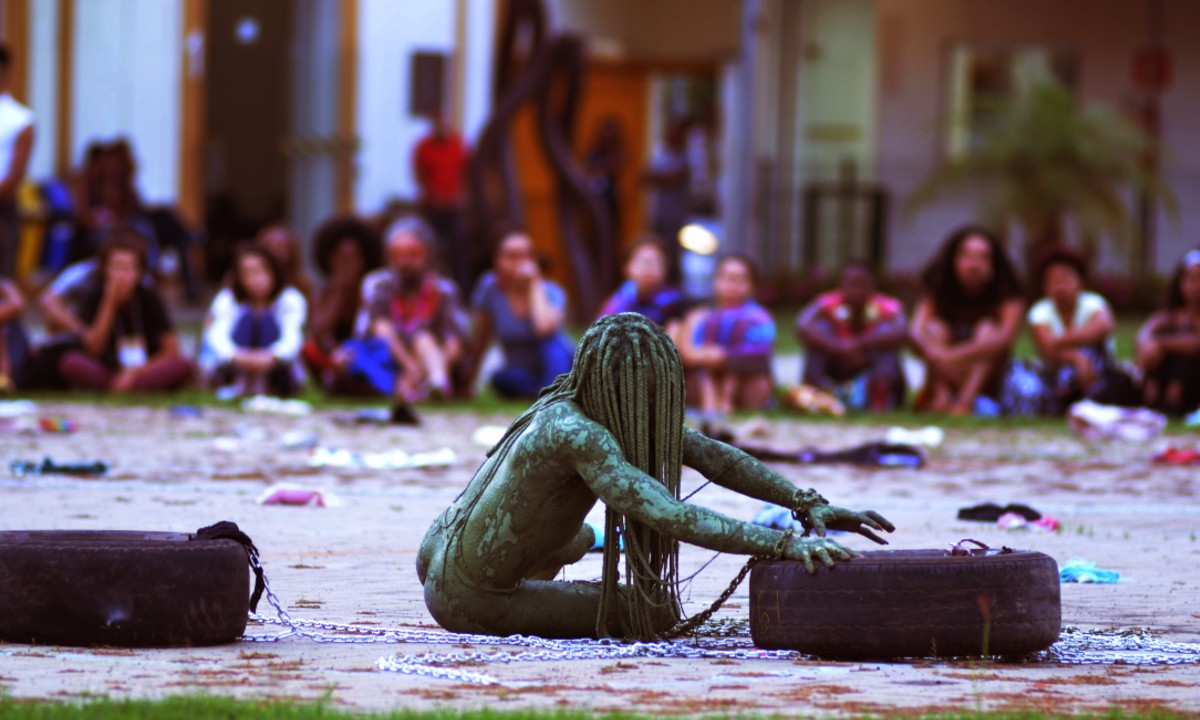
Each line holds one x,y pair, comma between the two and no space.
828,517
823,549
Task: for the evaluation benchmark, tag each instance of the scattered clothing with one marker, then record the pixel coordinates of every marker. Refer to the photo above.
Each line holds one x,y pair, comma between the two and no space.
1094,421
873,454
276,406
1078,570
811,399
1016,521
290,494
991,512
1178,456
388,460
17,408
401,413
488,435
47,466
57,425
929,436
777,517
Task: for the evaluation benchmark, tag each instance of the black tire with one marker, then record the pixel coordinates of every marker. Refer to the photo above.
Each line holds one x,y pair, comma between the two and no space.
129,589
908,603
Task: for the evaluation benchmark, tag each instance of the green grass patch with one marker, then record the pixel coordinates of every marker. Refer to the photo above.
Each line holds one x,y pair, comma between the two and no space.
485,402
201,707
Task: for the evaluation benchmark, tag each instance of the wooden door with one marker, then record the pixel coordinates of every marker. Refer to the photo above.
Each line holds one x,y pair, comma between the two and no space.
609,90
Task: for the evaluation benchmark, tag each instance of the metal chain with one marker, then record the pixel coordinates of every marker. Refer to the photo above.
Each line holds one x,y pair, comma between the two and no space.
702,617
1074,646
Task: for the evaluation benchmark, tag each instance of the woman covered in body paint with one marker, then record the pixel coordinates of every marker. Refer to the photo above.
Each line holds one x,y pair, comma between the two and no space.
611,430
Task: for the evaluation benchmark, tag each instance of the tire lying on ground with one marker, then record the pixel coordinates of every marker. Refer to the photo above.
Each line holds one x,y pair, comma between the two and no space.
908,603
130,589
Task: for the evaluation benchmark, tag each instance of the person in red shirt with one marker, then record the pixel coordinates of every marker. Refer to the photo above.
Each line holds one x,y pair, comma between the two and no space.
440,164
854,335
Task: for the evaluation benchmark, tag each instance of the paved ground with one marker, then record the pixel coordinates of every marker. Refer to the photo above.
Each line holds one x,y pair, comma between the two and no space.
354,563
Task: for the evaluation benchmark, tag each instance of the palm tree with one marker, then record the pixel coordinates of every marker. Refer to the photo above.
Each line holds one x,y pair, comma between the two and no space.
1045,159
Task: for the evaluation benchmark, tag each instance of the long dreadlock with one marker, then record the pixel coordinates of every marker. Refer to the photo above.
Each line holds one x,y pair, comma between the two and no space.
628,377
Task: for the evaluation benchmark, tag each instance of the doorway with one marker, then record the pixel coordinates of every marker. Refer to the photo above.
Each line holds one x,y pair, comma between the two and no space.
273,120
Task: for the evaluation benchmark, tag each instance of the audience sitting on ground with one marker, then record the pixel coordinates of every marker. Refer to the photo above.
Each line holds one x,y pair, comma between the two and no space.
645,290
1168,344
14,343
127,342
514,304
254,330
966,323
852,338
416,325
727,346
1072,330
345,249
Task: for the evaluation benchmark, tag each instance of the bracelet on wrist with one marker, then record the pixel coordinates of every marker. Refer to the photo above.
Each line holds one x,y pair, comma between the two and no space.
777,551
806,500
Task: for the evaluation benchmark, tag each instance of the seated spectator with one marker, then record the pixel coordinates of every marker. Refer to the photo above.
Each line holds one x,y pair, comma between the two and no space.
127,343
852,339
254,329
416,326
645,290
526,313
14,343
106,200
727,347
1072,329
1168,344
966,323
345,250
283,245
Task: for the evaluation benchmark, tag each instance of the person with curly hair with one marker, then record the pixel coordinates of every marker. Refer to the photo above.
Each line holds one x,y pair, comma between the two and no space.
345,249
966,322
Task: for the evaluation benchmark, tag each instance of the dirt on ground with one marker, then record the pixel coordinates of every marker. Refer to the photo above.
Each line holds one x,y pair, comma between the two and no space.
353,562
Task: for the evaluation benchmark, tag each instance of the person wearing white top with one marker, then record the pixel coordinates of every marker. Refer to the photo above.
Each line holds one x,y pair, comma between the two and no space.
1072,328
255,330
16,145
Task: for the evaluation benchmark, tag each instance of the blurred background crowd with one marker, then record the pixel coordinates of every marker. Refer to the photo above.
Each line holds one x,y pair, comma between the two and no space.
821,203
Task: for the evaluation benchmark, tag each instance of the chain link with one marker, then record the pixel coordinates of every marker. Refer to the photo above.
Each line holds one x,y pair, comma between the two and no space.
702,617
1074,646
